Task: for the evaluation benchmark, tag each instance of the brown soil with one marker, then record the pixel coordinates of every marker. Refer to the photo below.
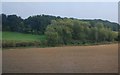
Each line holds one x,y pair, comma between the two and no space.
74,59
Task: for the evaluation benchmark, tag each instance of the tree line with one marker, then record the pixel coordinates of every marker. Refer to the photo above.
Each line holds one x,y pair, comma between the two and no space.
68,31
63,31
38,23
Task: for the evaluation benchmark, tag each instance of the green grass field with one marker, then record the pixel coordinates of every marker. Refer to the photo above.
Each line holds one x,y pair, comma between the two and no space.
21,37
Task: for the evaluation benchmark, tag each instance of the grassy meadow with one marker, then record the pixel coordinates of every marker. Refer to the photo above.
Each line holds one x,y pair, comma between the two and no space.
15,39
21,37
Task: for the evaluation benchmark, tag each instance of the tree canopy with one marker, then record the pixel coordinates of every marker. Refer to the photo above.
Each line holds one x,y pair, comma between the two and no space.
38,23
62,31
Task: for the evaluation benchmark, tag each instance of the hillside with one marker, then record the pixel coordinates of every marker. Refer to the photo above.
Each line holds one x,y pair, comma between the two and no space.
15,39
15,36
37,24
47,30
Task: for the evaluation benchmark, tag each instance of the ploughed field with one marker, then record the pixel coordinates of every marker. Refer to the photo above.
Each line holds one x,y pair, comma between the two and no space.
69,59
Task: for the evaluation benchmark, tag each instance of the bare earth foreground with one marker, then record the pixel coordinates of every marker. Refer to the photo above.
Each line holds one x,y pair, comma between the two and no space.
74,59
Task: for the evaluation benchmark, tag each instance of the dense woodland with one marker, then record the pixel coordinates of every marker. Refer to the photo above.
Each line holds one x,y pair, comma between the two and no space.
37,24
62,31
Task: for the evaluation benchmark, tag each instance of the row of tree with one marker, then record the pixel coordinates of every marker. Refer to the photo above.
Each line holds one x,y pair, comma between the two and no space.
35,24
62,31
65,31
38,23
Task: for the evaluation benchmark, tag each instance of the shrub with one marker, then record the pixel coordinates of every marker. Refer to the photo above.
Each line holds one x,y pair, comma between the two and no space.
7,44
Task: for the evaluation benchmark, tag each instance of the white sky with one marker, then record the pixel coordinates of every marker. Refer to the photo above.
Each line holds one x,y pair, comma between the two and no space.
83,9
60,0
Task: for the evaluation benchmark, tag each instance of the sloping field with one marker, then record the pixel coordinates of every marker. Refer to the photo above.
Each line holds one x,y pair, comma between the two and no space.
15,36
73,59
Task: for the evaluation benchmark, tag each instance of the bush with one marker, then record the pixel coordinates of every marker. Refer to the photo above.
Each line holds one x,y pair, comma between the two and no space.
8,44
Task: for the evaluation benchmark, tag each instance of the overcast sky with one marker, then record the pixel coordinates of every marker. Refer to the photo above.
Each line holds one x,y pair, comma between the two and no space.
60,0
81,10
